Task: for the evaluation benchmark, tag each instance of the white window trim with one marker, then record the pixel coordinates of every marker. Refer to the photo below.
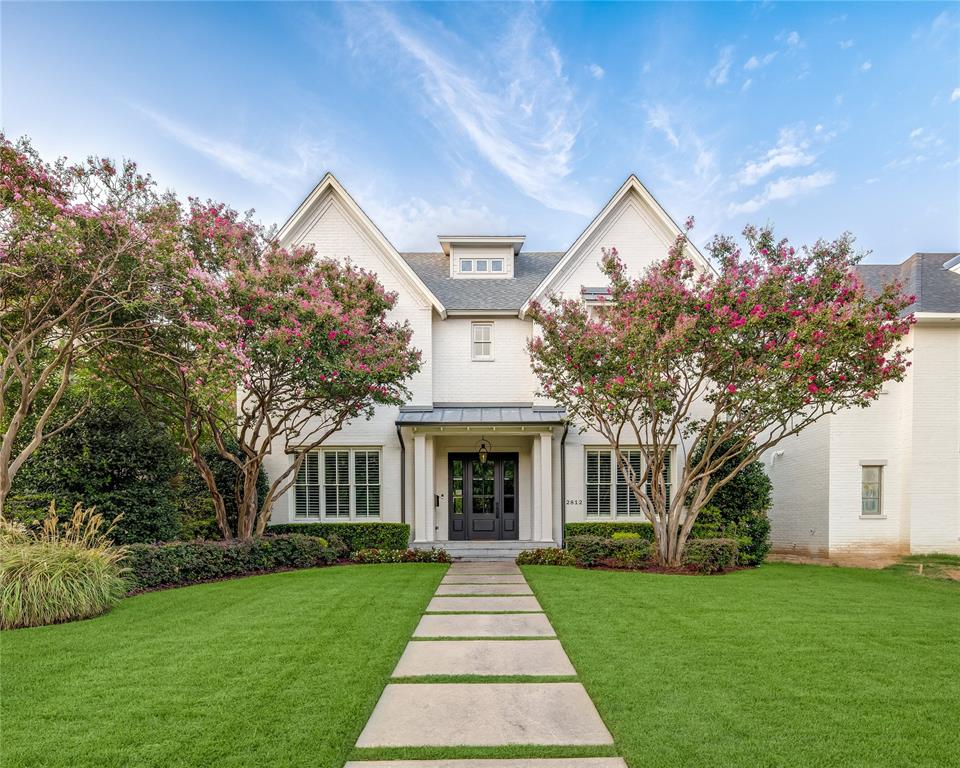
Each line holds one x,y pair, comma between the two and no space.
352,450
473,342
614,513
473,261
880,465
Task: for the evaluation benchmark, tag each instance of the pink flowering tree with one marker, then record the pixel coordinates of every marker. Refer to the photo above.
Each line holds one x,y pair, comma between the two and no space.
82,248
272,347
717,366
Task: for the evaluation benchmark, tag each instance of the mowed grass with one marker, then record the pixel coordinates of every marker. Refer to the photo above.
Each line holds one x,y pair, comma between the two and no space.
277,670
785,665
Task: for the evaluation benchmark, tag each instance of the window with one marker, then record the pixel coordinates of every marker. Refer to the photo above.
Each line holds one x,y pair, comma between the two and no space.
607,489
496,265
347,488
484,266
871,494
466,265
482,341
481,265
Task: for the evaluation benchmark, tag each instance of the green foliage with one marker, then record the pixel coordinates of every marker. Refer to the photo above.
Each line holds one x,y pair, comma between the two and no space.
356,536
626,549
631,553
625,535
189,562
114,459
196,505
751,532
589,550
710,555
371,555
551,556
607,530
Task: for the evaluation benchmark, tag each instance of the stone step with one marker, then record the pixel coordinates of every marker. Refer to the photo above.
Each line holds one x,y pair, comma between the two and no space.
484,589
483,578
483,657
484,551
484,625
483,604
484,715
502,568
533,762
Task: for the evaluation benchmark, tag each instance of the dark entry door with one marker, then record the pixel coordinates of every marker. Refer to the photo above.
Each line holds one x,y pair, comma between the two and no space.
483,497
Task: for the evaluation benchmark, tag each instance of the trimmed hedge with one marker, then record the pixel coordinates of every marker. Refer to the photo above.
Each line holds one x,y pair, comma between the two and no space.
546,557
188,562
589,550
625,551
400,556
606,530
356,536
710,555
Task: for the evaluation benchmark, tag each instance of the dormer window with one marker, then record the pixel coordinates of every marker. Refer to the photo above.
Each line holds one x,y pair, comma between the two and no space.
482,265
477,256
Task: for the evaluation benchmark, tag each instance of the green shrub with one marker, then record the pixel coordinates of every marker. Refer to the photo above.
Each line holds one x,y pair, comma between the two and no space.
546,557
751,532
625,536
189,562
606,530
372,555
62,572
589,550
629,552
356,536
710,555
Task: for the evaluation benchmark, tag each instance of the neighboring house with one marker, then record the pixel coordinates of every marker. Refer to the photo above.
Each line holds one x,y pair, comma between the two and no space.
474,457
884,480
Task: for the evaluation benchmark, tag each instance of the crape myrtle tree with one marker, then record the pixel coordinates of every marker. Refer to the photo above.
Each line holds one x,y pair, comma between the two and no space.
81,247
295,347
724,364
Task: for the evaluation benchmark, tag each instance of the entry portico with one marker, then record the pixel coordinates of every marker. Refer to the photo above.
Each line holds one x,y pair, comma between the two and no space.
482,472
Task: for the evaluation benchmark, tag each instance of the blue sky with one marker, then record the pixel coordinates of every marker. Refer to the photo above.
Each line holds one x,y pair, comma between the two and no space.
485,118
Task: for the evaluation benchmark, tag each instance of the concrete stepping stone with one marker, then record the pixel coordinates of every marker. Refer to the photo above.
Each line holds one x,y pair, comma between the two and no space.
474,568
486,714
485,625
483,578
483,604
483,657
484,589
534,762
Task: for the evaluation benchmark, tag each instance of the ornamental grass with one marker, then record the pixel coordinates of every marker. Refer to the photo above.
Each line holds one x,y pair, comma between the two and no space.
63,572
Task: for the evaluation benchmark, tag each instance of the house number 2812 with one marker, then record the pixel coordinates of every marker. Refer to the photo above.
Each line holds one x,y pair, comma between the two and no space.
577,502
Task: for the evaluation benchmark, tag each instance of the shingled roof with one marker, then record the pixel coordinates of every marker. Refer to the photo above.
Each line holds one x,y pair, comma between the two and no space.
923,275
529,269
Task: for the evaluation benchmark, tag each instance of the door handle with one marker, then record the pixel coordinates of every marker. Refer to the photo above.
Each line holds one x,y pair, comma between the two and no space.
496,507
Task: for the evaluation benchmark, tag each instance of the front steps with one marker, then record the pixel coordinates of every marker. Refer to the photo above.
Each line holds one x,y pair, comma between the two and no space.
484,550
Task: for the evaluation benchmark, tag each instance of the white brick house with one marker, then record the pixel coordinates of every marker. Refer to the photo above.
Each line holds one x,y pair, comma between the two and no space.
475,461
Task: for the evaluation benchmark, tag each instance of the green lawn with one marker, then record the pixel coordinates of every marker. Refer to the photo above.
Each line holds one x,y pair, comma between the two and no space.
267,671
786,665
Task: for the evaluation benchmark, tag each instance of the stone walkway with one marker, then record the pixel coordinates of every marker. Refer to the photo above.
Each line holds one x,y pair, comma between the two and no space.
484,621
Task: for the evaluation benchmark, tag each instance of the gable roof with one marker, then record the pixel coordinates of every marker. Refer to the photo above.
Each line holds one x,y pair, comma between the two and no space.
634,185
924,275
329,183
529,269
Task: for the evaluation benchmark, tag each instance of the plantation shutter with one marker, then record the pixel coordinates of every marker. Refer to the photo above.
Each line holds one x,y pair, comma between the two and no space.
307,492
599,474
666,480
366,479
336,482
627,503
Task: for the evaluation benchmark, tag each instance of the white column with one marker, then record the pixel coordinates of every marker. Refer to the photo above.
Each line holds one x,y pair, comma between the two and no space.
419,486
537,496
545,533
430,510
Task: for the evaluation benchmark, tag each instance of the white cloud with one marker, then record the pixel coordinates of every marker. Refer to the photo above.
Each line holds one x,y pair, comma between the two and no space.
845,44
784,188
658,117
915,132
245,163
793,39
955,96
791,151
596,71
757,63
720,72
746,85
523,117
866,66
414,224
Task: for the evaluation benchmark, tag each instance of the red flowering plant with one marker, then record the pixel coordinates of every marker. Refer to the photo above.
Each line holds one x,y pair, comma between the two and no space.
82,249
267,347
718,365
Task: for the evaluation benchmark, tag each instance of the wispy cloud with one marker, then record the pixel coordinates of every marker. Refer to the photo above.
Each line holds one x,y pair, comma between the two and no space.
955,96
791,151
866,66
720,72
659,117
413,224
758,62
845,44
596,71
783,189
522,116
245,163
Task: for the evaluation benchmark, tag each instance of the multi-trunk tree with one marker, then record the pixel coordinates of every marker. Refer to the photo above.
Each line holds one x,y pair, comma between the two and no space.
262,349
715,366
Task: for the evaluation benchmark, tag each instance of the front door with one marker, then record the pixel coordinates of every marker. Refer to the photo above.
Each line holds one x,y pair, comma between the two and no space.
483,497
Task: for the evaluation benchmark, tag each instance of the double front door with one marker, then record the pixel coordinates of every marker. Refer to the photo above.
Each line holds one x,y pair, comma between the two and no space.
483,496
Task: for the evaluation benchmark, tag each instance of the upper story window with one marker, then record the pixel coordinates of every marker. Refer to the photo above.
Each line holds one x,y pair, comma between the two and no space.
481,266
481,341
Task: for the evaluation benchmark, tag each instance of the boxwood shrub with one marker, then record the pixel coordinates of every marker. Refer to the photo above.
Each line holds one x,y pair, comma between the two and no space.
589,550
400,556
710,555
546,557
356,536
606,529
188,562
